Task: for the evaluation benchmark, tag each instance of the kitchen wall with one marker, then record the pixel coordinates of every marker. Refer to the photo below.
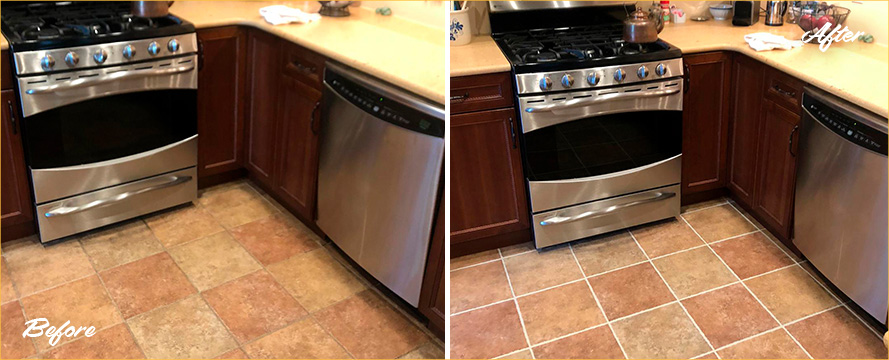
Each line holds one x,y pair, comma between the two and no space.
428,13
870,17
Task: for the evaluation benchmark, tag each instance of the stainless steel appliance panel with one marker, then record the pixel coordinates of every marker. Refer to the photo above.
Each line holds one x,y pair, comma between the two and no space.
598,217
546,195
546,110
377,188
841,202
107,206
57,183
46,92
599,77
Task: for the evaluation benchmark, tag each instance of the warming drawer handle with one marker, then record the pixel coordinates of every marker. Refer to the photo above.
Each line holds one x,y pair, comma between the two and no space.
68,210
106,78
555,220
575,103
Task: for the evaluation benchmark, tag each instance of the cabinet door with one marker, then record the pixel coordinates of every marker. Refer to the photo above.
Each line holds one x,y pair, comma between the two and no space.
299,117
705,122
220,106
264,71
777,168
487,184
747,94
16,205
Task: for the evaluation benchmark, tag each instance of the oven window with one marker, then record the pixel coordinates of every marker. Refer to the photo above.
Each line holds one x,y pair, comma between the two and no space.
109,127
602,145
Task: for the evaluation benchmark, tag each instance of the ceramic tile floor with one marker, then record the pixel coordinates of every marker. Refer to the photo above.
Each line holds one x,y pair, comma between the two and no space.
708,284
231,276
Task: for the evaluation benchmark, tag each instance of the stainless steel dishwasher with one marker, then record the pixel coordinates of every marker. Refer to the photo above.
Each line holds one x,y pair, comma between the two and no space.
841,197
382,151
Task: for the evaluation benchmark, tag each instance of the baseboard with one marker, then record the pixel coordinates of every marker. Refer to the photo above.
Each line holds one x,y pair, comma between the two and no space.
17,231
221,178
490,243
700,196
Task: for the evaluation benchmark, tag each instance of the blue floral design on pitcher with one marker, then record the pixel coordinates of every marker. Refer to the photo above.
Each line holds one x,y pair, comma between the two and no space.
456,29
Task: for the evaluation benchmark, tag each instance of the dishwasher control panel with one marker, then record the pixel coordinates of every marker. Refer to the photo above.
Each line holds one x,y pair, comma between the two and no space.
846,126
385,108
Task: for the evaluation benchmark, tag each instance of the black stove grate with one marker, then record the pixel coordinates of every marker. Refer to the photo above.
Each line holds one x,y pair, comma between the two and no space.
50,23
572,45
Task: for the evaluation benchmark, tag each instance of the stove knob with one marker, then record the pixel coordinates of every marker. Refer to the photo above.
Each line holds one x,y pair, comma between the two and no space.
71,58
546,83
100,56
620,75
567,80
153,49
593,78
47,62
660,70
642,72
173,45
129,52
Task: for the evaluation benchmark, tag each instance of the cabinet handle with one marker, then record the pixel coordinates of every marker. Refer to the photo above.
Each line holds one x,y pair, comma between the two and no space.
790,142
312,124
302,67
459,97
512,130
12,117
200,54
778,88
686,78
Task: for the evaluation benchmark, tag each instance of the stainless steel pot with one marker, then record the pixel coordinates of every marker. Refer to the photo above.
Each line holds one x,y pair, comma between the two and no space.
641,27
151,9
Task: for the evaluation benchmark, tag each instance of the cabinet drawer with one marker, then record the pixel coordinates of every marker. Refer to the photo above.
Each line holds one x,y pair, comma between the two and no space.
303,64
481,92
784,90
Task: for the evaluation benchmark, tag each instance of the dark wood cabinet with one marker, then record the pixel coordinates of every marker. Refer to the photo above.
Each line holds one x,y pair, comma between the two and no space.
222,80
17,211
297,164
747,95
264,52
432,295
487,184
705,122
776,168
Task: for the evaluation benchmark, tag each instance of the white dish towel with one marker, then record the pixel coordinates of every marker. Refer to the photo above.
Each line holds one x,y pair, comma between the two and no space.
282,14
766,41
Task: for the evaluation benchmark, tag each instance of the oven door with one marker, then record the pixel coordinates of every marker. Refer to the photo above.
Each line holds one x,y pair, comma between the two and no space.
98,128
586,146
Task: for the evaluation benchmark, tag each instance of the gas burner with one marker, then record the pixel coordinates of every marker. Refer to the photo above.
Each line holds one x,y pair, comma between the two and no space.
45,25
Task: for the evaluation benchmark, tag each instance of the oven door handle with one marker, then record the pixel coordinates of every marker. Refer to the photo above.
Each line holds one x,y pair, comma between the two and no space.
68,210
576,103
106,78
556,220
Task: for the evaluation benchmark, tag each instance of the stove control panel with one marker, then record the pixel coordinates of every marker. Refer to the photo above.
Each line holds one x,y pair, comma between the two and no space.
119,53
536,83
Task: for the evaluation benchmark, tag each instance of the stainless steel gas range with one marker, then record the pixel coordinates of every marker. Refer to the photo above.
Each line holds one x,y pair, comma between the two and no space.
601,119
109,111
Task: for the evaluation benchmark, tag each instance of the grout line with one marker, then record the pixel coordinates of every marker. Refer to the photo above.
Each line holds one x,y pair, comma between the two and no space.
108,293
734,237
724,201
598,304
684,310
846,305
750,291
743,216
518,310
618,269
474,265
569,335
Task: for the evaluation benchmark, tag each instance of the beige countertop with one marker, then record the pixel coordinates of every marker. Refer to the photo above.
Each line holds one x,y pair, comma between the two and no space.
855,71
398,51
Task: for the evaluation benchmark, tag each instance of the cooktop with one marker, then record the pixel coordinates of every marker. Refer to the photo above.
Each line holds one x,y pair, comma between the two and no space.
577,47
49,25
